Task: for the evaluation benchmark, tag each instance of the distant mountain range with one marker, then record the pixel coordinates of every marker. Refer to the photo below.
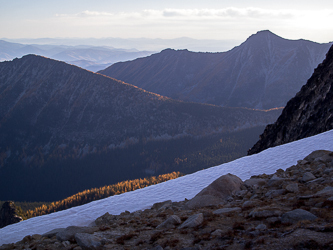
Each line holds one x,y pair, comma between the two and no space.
92,58
145,44
309,113
59,122
263,72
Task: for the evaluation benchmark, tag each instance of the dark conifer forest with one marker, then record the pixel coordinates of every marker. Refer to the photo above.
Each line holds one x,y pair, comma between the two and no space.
60,178
32,209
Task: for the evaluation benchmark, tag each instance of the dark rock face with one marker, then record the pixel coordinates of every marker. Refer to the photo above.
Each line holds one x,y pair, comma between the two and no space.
8,214
263,72
309,113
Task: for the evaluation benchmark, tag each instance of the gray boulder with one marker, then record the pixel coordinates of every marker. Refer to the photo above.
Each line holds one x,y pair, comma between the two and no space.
274,193
87,241
69,232
292,188
159,205
327,191
217,192
308,176
228,210
275,181
319,155
261,227
297,215
170,222
105,219
265,213
255,182
192,221
53,232
250,204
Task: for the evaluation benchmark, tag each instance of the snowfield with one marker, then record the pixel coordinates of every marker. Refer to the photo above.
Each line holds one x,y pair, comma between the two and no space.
187,186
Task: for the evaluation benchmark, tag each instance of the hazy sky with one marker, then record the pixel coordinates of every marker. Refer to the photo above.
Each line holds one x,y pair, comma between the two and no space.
201,19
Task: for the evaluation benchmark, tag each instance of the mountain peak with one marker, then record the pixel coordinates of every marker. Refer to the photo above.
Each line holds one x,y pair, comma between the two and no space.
263,34
33,57
169,50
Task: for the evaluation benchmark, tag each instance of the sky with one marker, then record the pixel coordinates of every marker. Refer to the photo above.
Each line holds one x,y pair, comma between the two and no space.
267,161
199,19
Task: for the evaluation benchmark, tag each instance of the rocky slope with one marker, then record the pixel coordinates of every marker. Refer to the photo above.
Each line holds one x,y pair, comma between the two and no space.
309,113
290,209
263,72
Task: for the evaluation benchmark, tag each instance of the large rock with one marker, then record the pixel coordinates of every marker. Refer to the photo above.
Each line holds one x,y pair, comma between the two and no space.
170,222
105,219
8,214
327,191
297,215
255,182
162,204
69,232
217,192
87,241
228,210
265,212
308,176
53,232
192,221
319,155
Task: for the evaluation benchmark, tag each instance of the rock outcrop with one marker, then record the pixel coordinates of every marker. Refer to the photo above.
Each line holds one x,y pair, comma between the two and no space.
267,214
8,214
309,113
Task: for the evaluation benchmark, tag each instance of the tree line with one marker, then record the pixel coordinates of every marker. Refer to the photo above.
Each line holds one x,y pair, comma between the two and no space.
89,195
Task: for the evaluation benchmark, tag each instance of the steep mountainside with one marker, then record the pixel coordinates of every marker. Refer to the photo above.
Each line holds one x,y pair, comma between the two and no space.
263,72
67,118
309,113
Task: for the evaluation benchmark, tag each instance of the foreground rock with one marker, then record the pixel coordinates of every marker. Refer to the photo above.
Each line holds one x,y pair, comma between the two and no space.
217,192
278,211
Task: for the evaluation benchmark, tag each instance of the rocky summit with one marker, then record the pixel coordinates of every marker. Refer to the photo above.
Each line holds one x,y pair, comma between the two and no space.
289,209
308,113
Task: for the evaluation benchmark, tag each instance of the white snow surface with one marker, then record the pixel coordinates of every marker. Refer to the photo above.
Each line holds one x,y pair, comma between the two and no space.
188,186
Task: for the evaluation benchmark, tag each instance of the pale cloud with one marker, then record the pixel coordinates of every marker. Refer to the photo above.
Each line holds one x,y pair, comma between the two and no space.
223,23
88,13
189,13
228,13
